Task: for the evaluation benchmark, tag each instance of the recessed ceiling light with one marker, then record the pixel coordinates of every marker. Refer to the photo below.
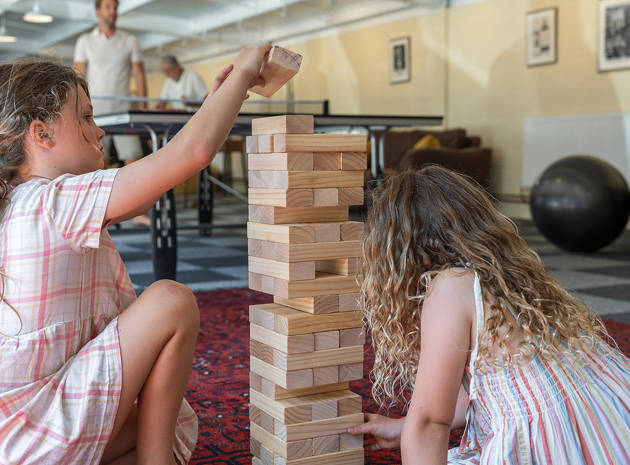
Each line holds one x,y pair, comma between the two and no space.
36,16
4,37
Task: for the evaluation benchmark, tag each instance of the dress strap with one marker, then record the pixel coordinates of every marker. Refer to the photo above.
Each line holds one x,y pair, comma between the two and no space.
479,320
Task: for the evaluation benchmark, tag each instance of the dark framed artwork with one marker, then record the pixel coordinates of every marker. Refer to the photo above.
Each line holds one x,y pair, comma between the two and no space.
613,49
399,60
542,37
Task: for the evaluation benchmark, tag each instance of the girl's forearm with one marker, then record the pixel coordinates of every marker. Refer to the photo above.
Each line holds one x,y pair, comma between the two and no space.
424,443
207,130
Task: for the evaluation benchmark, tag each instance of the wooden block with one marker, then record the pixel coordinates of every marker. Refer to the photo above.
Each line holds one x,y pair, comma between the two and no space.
315,305
279,429
292,253
328,426
288,344
346,457
282,233
353,161
292,161
282,270
326,197
342,266
349,302
282,215
298,449
255,381
343,356
349,405
300,409
283,124
323,284
326,444
266,455
326,340
280,66
324,410
327,161
349,441
280,197
261,316
352,231
254,446
350,195
261,418
328,232
351,372
290,322
288,450
319,142
277,392
261,351
304,179
350,337
287,379
325,375
260,144
289,411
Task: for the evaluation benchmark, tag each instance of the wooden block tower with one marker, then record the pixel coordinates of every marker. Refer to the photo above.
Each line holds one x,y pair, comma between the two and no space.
308,344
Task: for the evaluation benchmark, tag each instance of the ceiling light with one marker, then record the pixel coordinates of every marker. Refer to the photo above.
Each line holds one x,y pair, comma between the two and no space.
36,16
4,37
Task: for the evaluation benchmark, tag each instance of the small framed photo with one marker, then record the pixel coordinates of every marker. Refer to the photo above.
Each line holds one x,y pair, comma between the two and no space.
542,37
399,60
613,50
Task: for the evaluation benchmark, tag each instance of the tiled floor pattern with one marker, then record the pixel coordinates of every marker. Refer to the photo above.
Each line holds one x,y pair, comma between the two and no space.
601,279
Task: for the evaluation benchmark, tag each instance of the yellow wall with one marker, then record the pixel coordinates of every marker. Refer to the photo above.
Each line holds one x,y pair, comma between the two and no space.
486,86
351,70
490,89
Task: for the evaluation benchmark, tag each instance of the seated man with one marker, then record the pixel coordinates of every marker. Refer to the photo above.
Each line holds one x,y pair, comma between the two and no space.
180,84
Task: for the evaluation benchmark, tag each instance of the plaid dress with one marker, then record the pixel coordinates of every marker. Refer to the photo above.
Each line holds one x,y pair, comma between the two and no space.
60,362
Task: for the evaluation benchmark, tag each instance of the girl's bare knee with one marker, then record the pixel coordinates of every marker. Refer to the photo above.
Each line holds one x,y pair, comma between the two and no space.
176,302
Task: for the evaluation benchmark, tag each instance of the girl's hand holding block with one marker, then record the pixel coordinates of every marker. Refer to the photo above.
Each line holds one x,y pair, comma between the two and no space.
280,66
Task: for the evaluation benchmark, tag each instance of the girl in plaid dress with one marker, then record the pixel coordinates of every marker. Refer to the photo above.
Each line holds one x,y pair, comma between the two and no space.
90,373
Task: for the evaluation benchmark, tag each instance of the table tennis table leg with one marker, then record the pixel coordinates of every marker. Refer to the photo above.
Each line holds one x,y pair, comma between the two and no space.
206,200
163,227
164,237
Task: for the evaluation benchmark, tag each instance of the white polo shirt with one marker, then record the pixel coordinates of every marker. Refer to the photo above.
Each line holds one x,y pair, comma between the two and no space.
189,87
108,66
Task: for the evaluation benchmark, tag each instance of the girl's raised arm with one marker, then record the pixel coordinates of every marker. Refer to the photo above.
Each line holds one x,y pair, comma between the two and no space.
138,186
445,337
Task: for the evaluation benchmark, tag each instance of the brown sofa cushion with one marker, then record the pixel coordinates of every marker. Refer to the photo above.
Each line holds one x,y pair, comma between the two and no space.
473,161
397,143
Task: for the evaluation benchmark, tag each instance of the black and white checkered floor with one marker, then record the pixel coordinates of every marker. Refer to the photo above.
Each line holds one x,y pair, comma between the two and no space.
601,280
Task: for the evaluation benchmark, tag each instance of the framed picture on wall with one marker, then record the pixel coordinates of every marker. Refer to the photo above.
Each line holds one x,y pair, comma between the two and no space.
399,60
613,51
542,37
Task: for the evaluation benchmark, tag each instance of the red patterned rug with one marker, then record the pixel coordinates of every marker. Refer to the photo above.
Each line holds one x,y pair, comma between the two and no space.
219,383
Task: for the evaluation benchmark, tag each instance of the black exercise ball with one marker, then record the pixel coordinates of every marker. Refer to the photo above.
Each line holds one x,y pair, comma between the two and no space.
580,203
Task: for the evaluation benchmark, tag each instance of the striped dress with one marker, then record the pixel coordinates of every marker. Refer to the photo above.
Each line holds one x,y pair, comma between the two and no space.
60,361
570,413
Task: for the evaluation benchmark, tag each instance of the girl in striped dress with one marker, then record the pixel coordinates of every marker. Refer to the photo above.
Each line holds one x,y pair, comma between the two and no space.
464,317
90,374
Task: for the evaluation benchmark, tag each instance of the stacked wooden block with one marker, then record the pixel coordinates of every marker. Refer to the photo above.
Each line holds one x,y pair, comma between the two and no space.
308,344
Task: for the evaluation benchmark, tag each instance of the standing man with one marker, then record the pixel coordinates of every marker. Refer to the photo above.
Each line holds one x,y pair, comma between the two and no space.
180,84
107,57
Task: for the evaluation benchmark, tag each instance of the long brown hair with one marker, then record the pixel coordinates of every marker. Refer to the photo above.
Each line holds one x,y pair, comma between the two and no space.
422,222
31,89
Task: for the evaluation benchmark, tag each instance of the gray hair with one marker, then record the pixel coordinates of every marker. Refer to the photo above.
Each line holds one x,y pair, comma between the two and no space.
170,61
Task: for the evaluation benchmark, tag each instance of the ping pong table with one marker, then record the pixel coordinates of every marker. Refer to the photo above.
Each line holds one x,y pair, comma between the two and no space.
159,126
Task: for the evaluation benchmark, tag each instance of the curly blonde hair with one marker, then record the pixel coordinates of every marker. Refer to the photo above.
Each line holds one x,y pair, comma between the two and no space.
422,222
